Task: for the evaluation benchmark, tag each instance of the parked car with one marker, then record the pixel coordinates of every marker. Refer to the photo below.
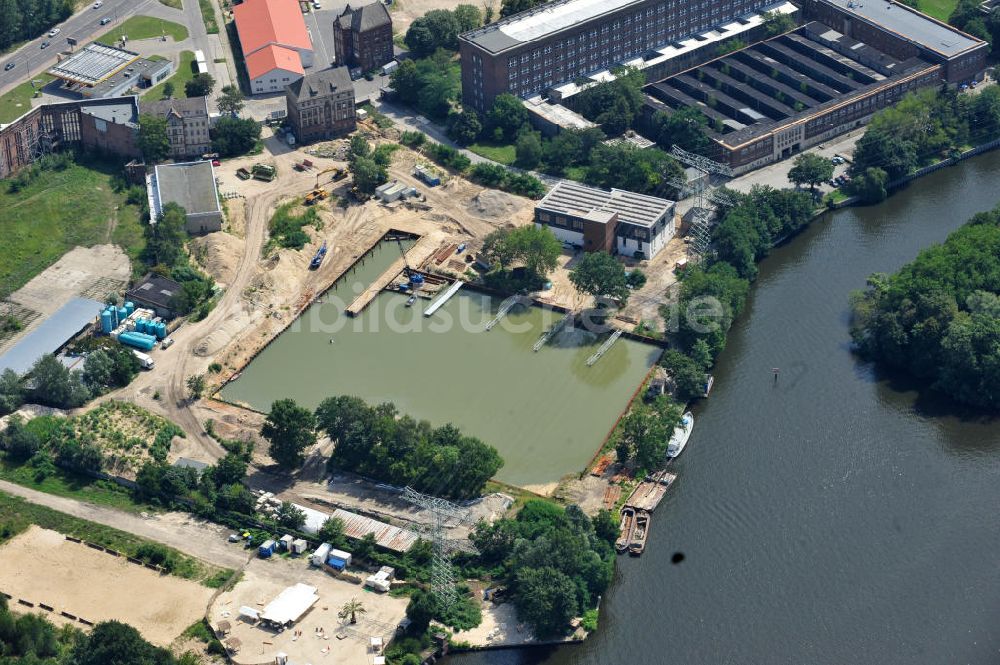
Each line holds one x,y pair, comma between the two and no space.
98,4
9,66
317,5
105,20
45,45
216,162
54,31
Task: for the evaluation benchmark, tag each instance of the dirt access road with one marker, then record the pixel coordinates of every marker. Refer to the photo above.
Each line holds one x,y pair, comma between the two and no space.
181,531
170,378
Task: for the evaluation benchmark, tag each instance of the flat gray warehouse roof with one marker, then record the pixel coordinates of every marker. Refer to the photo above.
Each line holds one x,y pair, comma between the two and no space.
55,331
910,25
570,198
190,185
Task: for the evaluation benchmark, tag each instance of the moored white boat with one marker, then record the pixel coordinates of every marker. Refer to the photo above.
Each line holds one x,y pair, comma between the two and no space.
681,435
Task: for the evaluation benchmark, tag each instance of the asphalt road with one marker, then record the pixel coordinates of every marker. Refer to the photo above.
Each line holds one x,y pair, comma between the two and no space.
31,60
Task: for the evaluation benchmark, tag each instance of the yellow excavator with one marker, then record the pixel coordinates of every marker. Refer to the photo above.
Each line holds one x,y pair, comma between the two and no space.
338,174
315,196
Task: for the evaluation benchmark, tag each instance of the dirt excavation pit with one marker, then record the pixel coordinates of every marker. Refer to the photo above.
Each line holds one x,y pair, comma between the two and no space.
41,566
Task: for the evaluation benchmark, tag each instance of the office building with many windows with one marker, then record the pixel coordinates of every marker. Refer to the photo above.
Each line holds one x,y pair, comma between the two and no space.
565,40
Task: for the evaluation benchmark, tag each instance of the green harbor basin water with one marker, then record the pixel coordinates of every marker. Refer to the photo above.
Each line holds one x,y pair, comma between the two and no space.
546,412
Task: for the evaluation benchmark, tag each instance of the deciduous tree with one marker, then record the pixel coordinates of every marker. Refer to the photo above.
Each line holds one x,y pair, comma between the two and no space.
153,141
601,275
810,169
289,428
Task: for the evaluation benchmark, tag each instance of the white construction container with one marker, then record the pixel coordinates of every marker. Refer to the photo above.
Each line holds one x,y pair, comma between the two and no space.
382,580
144,359
299,546
285,543
319,556
341,554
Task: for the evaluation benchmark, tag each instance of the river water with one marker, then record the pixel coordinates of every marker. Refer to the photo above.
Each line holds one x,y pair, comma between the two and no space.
832,517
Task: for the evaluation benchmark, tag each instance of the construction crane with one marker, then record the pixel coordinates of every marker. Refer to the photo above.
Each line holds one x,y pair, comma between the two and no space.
412,276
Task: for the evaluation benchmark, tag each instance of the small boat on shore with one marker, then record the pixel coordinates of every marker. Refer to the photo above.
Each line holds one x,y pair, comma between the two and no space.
637,543
681,435
410,301
625,530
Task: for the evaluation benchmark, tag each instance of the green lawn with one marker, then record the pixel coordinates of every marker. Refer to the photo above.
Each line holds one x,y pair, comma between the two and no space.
60,210
176,4
502,153
17,102
144,27
939,9
16,515
84,488
183,74
208,17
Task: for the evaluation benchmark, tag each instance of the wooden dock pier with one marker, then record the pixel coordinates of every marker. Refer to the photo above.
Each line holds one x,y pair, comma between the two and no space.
648,494
385,279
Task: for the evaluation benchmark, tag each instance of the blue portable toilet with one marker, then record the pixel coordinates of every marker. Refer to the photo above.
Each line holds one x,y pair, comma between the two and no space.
106,320
266,549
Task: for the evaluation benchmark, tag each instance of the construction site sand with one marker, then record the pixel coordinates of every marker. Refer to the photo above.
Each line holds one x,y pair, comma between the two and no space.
41,566
91,272
264,579
218,254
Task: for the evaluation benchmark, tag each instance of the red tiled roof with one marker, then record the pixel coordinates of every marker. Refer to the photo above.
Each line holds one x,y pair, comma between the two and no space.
273,57
263,22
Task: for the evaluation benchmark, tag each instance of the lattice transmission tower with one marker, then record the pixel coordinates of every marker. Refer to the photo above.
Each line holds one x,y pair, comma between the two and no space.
442,571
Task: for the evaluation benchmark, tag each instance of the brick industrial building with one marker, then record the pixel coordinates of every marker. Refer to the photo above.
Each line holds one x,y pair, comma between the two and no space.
321,105
105,125
188,124
564,40
362,37
778,97
902,33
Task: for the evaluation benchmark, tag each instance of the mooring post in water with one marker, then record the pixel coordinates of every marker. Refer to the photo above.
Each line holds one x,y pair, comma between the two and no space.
775,370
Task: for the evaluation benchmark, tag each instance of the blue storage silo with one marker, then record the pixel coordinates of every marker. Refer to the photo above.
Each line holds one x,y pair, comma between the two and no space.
121,315
163,330
137,340
106,321
140,325
160,330
129,307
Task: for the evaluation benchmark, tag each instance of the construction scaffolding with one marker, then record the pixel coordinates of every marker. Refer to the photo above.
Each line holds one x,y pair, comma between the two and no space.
703,213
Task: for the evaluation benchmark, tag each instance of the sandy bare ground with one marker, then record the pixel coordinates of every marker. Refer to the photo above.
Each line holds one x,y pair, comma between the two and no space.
181,531
91,272
264,579
41,566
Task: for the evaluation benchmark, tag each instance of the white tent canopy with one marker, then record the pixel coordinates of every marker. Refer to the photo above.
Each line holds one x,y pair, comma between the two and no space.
249,613
290,604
